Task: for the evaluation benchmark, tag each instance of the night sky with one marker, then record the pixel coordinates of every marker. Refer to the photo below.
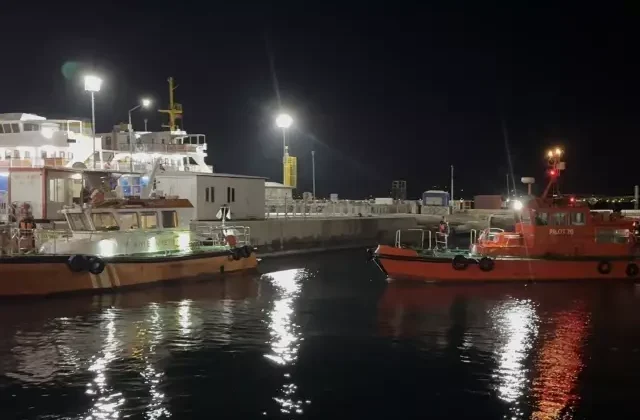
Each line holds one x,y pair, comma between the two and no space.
380,92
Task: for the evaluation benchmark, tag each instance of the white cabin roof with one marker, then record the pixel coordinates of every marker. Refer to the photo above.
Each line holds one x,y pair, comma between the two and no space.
20,116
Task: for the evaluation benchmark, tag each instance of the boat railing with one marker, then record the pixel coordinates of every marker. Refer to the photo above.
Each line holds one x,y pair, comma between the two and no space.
218,234
398,242
473,236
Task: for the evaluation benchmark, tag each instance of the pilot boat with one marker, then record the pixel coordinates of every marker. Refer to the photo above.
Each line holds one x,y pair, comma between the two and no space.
119,243
554,238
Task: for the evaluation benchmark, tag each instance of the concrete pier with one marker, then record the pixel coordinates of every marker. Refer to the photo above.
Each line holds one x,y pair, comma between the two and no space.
286,236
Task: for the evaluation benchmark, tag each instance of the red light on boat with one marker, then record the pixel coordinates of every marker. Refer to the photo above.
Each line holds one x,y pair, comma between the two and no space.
552,172
572,200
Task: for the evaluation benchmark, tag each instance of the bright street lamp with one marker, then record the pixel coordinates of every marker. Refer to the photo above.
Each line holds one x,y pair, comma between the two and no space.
144,103
92,84
284,121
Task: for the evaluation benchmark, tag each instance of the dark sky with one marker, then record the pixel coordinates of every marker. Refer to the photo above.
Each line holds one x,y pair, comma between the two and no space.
380,92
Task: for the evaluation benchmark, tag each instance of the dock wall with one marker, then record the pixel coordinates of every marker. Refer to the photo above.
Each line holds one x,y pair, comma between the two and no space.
278,235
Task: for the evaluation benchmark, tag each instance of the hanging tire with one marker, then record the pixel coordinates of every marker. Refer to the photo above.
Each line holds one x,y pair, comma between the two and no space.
247,250
96,265
460,262
486,264
236,254
632,270
604,267
77,263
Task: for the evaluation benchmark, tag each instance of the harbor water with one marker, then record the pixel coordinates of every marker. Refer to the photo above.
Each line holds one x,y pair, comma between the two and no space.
324,336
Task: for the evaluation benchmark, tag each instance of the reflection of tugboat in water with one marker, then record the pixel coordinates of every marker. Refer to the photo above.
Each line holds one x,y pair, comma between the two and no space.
555,238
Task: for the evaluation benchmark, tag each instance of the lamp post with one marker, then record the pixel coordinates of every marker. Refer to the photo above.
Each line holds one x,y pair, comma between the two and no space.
284,121
92,84
145,103
313,172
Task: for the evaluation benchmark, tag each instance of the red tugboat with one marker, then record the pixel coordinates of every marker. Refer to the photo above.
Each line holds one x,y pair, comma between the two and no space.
555,238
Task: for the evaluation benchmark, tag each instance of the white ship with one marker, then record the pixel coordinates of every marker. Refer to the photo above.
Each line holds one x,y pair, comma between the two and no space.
51,164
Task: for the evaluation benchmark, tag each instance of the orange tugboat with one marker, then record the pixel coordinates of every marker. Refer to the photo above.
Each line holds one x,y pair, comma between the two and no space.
555,238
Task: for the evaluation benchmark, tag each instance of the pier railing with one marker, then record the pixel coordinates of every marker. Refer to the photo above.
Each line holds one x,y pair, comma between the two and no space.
278,209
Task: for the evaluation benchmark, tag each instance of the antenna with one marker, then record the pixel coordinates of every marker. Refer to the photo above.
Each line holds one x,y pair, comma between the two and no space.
174,111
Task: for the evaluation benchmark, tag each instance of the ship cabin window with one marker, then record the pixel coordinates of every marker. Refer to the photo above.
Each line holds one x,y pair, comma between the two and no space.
104,221
542,218
7,154
31,127
169,219
578,219
558,219
78,221
43,154
612,236
148,220
16,154
129,220
6,128
15,127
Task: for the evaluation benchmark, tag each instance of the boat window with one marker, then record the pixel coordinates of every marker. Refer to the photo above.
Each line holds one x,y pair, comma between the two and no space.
56,190
43,154
612,236
15,127
542,219
7,128
578,219
31,127
213,194
169,219
559,219
129,220
7,154
1,129
206,194
104,221
149,220
78,221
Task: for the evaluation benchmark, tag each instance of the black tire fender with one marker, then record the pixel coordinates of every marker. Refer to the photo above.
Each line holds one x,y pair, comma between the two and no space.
486,264
247,251
96,265
460,262
77,263
604,267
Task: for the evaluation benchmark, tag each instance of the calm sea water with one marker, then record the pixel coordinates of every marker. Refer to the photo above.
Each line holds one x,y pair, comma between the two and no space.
324,337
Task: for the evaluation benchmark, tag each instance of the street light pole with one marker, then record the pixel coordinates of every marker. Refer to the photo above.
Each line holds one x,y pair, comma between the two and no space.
313,172
92,84
144,103
93,127
284,121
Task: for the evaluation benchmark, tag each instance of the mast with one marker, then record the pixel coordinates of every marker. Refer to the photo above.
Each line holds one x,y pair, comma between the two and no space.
555,166
174,111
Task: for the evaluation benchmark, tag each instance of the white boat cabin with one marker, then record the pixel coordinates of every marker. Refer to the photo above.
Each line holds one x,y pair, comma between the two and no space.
128,215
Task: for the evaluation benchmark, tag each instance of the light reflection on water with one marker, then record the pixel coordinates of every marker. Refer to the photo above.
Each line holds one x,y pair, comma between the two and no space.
516,323
285,335
106,402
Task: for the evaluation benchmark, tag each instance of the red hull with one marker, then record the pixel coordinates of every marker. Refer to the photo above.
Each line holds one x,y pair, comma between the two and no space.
406,264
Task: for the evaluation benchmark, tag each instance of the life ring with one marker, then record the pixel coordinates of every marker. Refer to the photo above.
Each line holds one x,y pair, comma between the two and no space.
604,267
486,264
77,263
459,262
632,270
96,265
231,241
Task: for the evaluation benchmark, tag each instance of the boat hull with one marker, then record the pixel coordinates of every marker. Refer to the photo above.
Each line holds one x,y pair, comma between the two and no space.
407,264
51,274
